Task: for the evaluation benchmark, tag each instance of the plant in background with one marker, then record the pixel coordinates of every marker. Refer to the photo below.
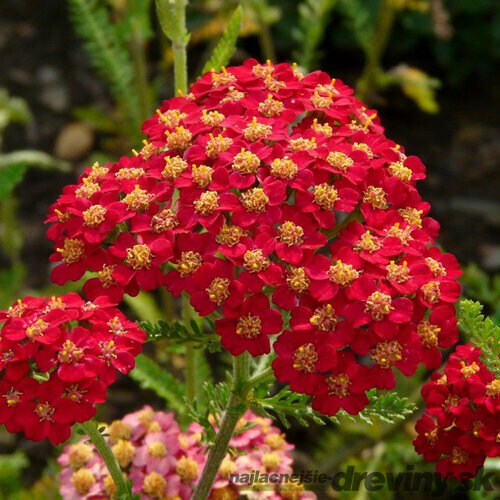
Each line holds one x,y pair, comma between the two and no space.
372,26
162,461
13,167
273,203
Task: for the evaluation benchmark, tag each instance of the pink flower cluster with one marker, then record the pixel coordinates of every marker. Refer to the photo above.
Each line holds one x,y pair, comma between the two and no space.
163,462
462,421
57,357
273,198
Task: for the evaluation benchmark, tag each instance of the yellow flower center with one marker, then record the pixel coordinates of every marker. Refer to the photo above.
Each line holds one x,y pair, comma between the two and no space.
339,161
94,215
246,162
202,175
217,145
290,234
207,203
387,354
284,168
325,196
157,449
431,291
249,326
400,273
229,235
256,130
139,257
297,280
138,199
375,196
179,140
338,385
174,167
72,251
271,107
342,274
255,200
324,318
83,480
218,291
254,261
379,305
154,485
189,263
429,334
166,220
305,358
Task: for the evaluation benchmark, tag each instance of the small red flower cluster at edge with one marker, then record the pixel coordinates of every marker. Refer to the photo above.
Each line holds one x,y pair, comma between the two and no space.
462,421
277,204
57,358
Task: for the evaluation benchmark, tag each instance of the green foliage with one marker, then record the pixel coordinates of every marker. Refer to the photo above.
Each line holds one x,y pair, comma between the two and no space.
212,404
177,333
288,404
313,20
226,46
482,332
169,14
12,110
10,177
387,407
11,467
108,55
480,286
152,376
361,18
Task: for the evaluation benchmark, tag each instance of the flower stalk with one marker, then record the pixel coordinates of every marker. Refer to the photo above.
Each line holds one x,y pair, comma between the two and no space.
236,407
91,429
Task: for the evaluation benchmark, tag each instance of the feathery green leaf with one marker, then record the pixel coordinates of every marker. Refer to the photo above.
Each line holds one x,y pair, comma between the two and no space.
482,332
226,46
108,55
151,376
178,333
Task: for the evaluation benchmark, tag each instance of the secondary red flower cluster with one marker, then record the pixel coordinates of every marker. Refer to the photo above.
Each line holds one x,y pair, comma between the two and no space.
163,462
57,357
461,427
273,198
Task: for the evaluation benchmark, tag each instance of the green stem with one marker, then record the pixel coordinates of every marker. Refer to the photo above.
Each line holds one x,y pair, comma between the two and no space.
258,378
179,48
90,428
372,73
235,409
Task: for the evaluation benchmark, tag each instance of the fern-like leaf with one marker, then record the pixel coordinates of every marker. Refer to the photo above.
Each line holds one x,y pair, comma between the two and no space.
109,57
313,20
152,376
177,333
226,46
288,404
387,407
482,332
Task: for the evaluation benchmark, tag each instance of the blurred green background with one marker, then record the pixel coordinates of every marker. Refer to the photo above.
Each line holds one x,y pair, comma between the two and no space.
77,77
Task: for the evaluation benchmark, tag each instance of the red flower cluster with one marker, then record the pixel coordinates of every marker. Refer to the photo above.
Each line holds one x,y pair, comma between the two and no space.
57,357
269,197
461,426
